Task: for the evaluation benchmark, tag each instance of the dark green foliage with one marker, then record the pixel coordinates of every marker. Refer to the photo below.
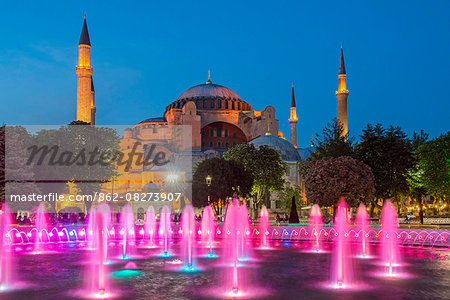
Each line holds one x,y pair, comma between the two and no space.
229,178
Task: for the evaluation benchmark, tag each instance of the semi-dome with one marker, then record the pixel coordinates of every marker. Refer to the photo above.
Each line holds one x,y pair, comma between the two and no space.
286,149
209,96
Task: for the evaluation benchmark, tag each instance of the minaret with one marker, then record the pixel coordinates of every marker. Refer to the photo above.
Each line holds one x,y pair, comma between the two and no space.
293,119
342,95
93,109
85,96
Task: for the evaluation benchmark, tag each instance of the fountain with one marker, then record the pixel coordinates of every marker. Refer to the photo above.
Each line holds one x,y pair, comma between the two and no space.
243,232
342,263
165,229
264,227
150,225
6,271
233,243
390,251
362,222
127,231
315,225
96,273
92,220
41,225
188,237
208,229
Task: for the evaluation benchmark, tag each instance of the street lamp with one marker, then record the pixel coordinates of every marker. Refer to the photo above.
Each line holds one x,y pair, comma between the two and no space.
208,182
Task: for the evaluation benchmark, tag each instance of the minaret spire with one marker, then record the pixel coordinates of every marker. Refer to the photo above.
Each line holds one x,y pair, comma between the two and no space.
293,119
84,37
342,95
293,96
341,63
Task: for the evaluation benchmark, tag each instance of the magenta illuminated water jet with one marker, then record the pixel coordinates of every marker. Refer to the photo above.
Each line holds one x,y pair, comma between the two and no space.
389,244
264,227
150,225
165,229
96,274
92,221
6,266
234,275
41,225
244,231
362,222
188,237
127,231
208,229
315,225
342,264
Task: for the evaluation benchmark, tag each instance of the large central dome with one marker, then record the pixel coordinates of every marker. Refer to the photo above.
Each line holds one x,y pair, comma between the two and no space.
208,91
209,96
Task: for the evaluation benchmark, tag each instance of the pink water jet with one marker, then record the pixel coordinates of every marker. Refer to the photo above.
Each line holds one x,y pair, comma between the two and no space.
264,227
389,244
165,229
234,276
208,229
315,226
92,220
6,266
362,223
342,263
244,231
188,237
41,225
96,274
127,231
150,225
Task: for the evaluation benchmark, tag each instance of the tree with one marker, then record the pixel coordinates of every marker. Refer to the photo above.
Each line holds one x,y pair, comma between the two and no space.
330,178
265,164
228,178
434,161
333,143
79,123
415,178
388,153
19,177
90,177
293,216
285,196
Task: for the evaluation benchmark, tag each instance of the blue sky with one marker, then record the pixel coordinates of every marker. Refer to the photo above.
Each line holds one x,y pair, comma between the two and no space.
145,54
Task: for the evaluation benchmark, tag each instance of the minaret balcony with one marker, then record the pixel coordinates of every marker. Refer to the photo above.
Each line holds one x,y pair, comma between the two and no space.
343,92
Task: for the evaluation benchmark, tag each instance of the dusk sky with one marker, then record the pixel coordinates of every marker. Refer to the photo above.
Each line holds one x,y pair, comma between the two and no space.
145,55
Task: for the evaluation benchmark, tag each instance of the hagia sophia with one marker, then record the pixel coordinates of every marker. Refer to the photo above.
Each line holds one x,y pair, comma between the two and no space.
219,119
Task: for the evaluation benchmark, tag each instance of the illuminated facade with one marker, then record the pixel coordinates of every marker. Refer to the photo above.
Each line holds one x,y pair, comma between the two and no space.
217,118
